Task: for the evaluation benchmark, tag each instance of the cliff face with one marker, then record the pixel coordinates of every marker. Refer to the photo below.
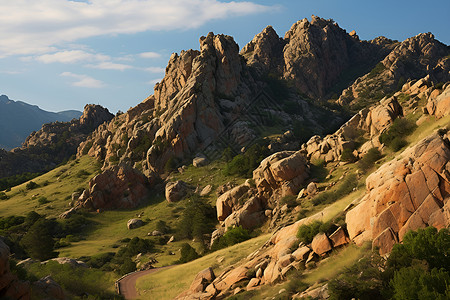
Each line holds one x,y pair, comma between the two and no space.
52,144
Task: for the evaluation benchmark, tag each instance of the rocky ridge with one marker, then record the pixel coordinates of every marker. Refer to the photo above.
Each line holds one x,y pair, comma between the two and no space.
413,58
52,144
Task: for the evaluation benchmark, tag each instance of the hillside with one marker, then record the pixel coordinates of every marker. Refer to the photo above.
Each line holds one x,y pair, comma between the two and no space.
254,148
18,119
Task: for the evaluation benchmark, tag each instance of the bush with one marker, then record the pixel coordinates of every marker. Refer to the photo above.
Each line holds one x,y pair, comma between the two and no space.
394,137
369,159
187,254
38,241
244,164
3,196
43,200
347,155
231,237
162,227
306,233
31,185
290,200
343,189
198,218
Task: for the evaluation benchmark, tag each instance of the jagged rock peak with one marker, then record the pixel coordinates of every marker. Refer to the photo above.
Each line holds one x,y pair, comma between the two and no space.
265,50
94,115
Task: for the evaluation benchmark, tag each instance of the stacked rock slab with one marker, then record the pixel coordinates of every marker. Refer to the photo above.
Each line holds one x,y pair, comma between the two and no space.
405,194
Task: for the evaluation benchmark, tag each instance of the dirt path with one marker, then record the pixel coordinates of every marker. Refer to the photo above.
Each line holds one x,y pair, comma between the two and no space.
127,285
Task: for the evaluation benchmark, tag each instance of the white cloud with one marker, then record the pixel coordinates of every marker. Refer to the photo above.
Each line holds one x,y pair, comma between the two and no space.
29,27
71,56
149,55
107,65
82,80
155,69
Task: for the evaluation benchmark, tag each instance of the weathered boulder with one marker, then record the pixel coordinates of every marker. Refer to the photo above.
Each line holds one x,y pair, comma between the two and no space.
176,191
206,190
68,261
404,194
301,253
249,216
227,201
281,174
339,237
440,105
202,279
321,244
134,223
199,161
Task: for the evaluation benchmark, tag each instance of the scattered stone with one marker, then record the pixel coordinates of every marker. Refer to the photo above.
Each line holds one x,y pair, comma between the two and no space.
206,190
135,223
199,162
176,191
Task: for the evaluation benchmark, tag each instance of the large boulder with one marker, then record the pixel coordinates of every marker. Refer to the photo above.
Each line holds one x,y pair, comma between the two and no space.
321,244
116,187
404,194
439,106
281,174
134,223
176,191
229,200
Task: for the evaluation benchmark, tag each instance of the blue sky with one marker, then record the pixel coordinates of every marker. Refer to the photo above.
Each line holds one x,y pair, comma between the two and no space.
61,54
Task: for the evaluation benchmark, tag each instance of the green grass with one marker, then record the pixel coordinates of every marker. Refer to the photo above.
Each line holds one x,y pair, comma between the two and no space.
57,186
168,283
210,174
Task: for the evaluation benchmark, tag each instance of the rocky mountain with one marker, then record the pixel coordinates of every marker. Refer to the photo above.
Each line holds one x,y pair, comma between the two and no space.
273,108
317,57
52,144
18,119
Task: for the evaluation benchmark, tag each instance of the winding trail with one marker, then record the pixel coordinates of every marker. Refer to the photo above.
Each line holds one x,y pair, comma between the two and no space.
127,284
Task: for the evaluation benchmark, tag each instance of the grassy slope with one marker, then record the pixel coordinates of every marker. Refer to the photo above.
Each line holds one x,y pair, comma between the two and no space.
168,283
57,186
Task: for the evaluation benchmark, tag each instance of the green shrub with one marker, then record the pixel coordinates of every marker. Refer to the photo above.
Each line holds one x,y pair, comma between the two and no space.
231,237
31,185
3,196
345,188
290,200
347,155
368,160
187,254
83,173
244,164
198,218
11,221
162,227
416,269
43,200
38,241
395,136
306,233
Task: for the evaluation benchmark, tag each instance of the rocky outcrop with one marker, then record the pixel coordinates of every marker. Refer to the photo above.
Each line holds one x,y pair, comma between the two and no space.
52,144
404,194
117,187
439,103
10,286
369,123
281,174
269,264
313,54
176,191
414,58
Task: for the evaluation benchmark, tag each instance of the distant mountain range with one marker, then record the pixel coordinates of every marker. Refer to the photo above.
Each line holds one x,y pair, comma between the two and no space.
18,119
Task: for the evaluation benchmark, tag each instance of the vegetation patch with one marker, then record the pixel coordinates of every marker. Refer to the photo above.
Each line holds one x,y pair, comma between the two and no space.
346,187
395,136
233,236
